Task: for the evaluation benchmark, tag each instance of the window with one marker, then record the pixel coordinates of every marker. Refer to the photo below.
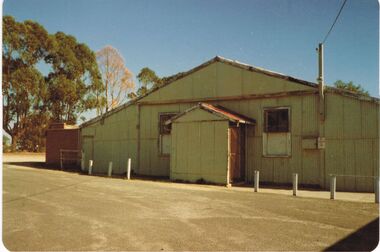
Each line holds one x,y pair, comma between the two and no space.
165,129
276,120
165,137
276,135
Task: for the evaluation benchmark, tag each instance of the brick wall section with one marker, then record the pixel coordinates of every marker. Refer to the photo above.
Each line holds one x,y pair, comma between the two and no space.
57,139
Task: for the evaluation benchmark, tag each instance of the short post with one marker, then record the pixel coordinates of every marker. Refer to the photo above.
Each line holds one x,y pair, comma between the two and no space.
295,184
90,163
129,169
332,186
82,161
377,189
109,169
256,181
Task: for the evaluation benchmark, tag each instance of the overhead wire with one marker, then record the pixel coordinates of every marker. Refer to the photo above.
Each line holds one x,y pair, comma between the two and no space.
337,16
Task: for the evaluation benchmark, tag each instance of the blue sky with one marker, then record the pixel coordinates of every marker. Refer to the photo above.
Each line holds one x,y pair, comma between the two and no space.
171,36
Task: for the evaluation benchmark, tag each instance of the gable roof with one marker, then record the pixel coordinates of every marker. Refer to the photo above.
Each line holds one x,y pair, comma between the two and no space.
180,75
242,66
218,111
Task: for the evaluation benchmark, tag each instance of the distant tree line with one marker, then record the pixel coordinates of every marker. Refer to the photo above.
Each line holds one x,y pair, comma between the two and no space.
350,86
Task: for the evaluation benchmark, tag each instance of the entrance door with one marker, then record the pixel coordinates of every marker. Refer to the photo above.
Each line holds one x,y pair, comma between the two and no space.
236,154
88,148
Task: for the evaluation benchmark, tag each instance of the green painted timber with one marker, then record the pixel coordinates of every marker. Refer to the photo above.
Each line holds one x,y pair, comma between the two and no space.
200,151
351,129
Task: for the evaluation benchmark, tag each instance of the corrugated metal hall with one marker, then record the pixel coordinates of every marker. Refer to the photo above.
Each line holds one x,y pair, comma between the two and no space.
222,120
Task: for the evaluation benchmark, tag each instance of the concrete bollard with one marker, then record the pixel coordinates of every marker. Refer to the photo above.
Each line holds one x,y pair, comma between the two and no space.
129,169
109,169
332,187
256,180
295,184
82,161
377,189
90,163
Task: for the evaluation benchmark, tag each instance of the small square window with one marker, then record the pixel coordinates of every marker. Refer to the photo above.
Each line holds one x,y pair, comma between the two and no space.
276,120
165,129
165,137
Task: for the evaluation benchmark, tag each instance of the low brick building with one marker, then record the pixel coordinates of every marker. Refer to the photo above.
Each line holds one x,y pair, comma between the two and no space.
61,136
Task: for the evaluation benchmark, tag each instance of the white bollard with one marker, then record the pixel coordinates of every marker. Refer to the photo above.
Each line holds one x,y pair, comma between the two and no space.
332,187
256,181
109,169
129,169
90,163
377,189
82,161
295,184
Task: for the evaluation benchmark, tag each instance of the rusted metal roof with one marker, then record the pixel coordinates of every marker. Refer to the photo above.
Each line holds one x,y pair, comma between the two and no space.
218,111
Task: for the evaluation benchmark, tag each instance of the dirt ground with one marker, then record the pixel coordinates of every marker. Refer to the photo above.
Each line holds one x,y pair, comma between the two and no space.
55,210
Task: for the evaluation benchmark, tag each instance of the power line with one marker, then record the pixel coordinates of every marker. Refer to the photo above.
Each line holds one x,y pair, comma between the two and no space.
341,8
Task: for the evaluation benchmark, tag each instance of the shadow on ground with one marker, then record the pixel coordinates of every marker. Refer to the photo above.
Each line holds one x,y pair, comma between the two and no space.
364,239
42,165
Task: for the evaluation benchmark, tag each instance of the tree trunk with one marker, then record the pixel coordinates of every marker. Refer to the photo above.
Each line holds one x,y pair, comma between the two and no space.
14,142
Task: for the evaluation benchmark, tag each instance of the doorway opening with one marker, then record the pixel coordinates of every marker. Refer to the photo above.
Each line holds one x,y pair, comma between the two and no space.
237,164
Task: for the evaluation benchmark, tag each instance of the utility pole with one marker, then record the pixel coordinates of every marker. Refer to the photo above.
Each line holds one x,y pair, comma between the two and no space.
321,110
321,84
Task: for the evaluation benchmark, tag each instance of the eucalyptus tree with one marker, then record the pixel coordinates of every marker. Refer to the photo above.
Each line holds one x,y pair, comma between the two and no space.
116,77
31,99
24,45
74,79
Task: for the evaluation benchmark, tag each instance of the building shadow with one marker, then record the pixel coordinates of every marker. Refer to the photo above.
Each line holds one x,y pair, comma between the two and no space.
43,165
364,239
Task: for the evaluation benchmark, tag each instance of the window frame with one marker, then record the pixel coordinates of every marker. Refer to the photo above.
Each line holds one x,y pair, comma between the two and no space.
159,121
265,121
265,133
161,134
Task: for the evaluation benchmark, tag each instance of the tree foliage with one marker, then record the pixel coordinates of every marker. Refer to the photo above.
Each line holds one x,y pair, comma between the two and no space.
74,79
116,77
148,80
350,86
32,99
6,142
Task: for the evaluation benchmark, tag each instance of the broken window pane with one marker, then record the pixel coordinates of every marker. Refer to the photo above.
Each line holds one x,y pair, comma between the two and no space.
165,129
276,120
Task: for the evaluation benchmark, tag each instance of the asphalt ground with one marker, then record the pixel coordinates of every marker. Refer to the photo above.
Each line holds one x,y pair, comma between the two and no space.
56,210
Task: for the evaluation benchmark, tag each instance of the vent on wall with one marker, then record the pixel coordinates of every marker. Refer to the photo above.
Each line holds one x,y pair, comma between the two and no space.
313,143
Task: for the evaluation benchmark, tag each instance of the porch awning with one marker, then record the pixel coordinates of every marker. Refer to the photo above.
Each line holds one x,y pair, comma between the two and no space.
218,111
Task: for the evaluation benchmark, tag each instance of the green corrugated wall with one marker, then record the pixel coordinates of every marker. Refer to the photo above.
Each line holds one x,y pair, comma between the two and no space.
351,128
200,151
352,142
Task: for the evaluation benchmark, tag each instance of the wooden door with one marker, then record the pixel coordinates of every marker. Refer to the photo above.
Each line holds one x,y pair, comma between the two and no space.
235,154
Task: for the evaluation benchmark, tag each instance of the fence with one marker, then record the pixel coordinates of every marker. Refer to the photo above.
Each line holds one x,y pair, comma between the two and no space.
72,157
